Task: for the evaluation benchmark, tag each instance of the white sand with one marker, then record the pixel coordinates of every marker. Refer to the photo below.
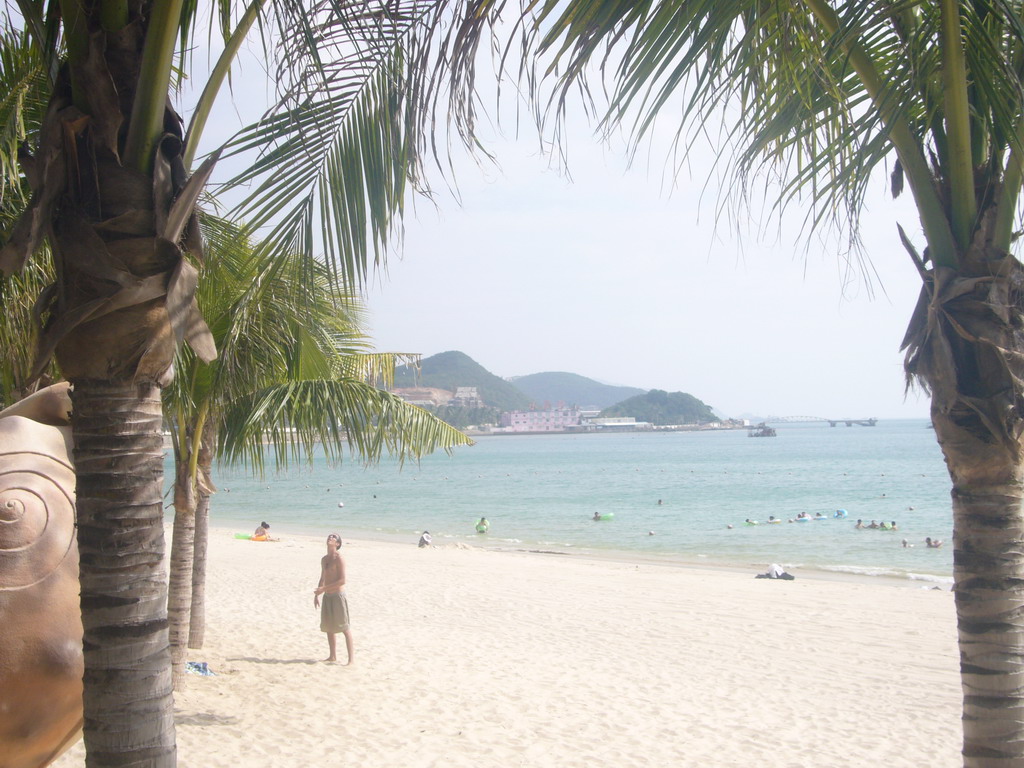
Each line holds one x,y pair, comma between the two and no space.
466,657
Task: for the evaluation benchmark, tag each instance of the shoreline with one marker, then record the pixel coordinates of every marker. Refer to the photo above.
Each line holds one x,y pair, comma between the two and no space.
839,573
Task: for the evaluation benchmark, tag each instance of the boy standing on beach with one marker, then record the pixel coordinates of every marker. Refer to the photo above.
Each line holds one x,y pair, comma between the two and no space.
334,614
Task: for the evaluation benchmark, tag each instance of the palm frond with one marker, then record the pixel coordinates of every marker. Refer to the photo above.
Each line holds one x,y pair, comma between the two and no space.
817,94
292,352
289,420
19,329
359,86
24,90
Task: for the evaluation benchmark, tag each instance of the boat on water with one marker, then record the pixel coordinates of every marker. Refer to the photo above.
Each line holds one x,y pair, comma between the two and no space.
761,430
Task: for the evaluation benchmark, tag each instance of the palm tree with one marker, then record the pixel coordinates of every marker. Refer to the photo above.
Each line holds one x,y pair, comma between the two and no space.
822,93
113,199
293,367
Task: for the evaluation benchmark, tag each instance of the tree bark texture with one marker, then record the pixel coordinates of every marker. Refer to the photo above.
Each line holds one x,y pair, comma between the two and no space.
965,344
988,571
129,710
179,589
197,619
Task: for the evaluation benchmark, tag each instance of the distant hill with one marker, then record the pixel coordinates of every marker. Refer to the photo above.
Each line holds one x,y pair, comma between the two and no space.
572,389
449,370
661,407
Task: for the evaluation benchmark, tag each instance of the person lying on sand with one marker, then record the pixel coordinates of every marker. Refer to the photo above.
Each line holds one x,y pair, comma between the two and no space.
775,572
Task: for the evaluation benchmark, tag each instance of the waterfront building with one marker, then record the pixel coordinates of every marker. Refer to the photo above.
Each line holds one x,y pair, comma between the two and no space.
424,397
466,397
551,420
618,424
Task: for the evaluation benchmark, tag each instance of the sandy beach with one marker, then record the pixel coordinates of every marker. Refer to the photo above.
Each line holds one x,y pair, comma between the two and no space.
468,657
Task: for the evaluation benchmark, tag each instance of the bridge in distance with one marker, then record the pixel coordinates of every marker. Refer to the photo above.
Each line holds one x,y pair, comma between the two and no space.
831,422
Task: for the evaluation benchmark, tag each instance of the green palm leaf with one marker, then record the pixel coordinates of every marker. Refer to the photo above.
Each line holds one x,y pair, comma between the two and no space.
339,152
290,420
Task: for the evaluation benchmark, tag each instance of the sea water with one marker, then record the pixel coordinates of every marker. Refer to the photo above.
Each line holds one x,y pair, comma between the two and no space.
672,497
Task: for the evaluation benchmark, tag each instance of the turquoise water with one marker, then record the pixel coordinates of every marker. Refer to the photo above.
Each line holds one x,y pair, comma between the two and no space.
540,492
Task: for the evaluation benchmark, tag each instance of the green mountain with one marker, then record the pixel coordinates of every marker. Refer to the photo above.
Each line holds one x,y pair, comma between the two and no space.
660,407
449,370
572,389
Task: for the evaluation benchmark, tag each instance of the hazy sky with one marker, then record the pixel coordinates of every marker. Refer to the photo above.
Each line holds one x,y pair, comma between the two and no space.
611,277
614,277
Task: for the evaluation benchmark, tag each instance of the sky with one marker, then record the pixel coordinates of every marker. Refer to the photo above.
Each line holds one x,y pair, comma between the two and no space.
615,276
611,276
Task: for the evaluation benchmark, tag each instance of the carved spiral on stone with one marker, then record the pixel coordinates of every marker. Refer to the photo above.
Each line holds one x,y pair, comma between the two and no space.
37,508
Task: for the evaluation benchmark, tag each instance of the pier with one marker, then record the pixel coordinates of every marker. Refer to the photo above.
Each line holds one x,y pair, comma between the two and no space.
831,422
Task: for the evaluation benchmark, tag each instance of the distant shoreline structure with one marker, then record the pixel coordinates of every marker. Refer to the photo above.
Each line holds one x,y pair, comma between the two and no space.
615,430
619,428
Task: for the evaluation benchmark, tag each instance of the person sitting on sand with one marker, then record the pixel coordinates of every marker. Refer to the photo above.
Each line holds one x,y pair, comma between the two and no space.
262,532
425,540
932,543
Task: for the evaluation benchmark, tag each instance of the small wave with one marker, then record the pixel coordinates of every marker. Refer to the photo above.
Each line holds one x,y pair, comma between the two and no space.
930,578
864,570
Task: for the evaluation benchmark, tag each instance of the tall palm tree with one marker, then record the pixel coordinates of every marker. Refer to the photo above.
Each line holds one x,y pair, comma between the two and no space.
822,93
294,372
113,198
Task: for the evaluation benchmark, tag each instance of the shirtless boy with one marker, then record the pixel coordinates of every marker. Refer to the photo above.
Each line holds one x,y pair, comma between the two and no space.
334,614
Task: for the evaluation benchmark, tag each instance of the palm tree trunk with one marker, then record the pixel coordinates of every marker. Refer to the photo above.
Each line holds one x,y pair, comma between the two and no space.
179,591
964,344
988,573
197,621
119,466
204,489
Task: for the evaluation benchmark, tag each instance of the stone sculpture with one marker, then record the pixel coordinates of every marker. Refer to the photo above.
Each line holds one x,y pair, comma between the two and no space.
41,637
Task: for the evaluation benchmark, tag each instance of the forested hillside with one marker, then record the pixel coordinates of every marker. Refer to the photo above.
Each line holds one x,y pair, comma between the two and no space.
660,407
